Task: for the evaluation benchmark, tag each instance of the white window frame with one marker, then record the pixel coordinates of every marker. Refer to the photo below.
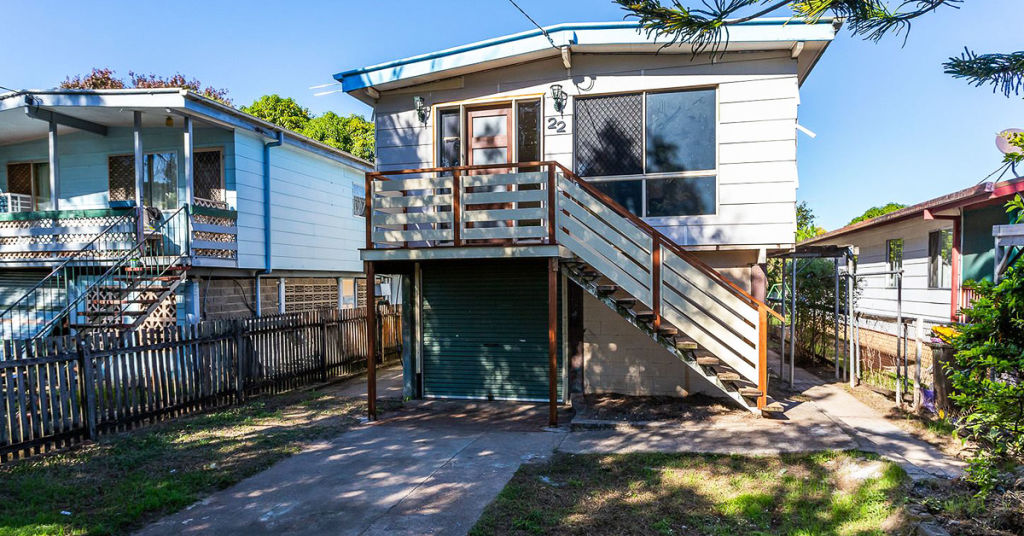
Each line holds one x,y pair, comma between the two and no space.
32,179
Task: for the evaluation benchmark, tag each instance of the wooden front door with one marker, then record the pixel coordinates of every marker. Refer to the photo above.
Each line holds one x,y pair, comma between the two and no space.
489,135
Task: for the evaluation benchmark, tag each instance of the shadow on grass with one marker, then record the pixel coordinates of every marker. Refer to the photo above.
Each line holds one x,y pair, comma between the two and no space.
696,494
128,479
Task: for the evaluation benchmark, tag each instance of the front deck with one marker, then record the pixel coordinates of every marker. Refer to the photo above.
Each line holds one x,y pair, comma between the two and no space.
46,238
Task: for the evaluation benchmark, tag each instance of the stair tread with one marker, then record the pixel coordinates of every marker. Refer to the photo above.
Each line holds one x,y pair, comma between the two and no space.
727,376
707,361
607,289
749,392
123,302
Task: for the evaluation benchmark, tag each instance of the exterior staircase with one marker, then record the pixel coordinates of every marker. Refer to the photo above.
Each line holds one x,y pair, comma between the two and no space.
89,291
690,309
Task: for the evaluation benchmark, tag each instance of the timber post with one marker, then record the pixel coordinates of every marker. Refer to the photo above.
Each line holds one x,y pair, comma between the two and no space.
88,387
371,342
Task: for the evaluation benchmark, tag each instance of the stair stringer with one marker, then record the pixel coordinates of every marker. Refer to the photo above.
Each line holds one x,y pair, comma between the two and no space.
686,356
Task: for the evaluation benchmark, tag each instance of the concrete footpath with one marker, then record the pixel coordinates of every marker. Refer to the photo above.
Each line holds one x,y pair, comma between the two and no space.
431,467
871,431
378,479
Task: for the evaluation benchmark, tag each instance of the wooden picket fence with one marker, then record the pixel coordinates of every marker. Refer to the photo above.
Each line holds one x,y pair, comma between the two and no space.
57,392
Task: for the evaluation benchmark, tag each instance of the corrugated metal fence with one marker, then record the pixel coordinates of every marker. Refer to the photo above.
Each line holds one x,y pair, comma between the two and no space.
60,391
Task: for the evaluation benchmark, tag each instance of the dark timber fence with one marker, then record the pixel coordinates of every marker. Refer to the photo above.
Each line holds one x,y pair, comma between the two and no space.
60,391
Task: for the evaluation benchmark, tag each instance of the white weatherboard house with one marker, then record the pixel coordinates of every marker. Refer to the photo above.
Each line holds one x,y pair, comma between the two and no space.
587,215
124,208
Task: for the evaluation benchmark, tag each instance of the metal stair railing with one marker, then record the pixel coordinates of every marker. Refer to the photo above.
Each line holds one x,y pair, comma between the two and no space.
137,273
26,317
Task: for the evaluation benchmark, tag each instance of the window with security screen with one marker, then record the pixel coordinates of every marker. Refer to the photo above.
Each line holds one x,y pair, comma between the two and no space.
208,175
655,153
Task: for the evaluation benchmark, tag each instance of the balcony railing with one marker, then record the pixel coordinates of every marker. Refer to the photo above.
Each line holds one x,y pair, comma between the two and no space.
42,238
486,205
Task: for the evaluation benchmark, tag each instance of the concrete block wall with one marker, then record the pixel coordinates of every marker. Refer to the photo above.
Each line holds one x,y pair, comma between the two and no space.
618,358
224,298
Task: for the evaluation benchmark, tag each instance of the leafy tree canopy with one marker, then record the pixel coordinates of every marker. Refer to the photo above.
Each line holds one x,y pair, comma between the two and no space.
284,112
805,227
875,212
706,27
351,133
105,79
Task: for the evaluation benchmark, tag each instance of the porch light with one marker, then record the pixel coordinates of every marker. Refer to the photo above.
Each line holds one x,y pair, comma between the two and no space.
421,108
559,97
169,121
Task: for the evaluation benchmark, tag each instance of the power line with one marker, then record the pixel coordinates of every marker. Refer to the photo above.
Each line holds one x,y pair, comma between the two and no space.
542,30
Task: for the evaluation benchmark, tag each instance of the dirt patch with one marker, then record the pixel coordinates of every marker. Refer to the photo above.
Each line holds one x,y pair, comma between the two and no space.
956,507
623,408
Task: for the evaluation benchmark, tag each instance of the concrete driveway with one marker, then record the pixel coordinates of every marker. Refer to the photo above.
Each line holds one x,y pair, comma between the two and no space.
395,477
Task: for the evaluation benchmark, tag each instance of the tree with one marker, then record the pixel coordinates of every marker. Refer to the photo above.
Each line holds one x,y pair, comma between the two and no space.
284,112
805,227
351,133
707,27
875,212
104,79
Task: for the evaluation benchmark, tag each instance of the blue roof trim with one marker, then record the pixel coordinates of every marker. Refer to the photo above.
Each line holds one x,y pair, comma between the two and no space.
355,79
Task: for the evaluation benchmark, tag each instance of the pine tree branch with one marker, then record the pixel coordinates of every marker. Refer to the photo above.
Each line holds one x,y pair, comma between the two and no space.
1004,71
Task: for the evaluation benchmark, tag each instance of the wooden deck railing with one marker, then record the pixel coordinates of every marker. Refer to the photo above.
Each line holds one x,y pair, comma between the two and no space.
546,203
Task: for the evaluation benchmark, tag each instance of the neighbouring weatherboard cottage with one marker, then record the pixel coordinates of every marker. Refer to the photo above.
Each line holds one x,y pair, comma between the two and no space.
588,216
940,244
240,216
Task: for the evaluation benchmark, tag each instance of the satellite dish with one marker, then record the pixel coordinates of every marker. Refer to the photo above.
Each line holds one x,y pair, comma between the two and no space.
1003,141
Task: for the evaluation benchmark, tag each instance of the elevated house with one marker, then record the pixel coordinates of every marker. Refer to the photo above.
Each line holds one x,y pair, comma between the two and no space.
939,244
125,208
582,209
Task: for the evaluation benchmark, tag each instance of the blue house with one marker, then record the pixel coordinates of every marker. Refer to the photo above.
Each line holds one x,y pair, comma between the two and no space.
155,207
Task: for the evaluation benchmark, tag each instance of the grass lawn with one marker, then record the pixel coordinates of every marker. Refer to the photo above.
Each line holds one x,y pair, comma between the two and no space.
816,494
126,480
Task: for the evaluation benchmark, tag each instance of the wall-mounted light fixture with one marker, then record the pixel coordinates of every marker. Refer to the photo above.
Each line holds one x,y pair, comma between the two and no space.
421,108
559,97
169,121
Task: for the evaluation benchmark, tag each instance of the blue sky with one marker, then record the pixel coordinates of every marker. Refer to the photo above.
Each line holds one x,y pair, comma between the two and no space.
891,126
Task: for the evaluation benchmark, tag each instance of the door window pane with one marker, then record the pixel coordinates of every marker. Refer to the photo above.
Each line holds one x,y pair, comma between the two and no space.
161,187
681,131
41,186
528,131
450,142
894,256
609,135
682,196
489,126
629,194
940,259
493,155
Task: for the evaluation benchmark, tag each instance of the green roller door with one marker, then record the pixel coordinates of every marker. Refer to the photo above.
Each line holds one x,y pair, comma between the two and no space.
485,330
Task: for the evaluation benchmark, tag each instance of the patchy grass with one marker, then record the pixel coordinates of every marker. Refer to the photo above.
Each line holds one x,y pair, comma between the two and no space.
683,494
959,508
126,480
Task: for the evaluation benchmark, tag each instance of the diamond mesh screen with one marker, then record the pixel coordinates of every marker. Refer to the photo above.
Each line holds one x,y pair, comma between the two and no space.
19,179
609,135
121,177
206,172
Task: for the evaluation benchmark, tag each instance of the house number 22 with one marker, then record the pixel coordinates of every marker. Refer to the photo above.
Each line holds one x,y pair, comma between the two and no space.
556,125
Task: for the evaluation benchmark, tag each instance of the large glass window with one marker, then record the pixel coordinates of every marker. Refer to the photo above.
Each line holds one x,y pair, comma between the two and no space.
654,153
940,259
160,176
680,131
32,180
894,257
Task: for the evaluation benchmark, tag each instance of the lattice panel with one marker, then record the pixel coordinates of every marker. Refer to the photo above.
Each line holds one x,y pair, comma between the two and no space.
19,179
121,170
207,176
26,247
310,294
609,135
